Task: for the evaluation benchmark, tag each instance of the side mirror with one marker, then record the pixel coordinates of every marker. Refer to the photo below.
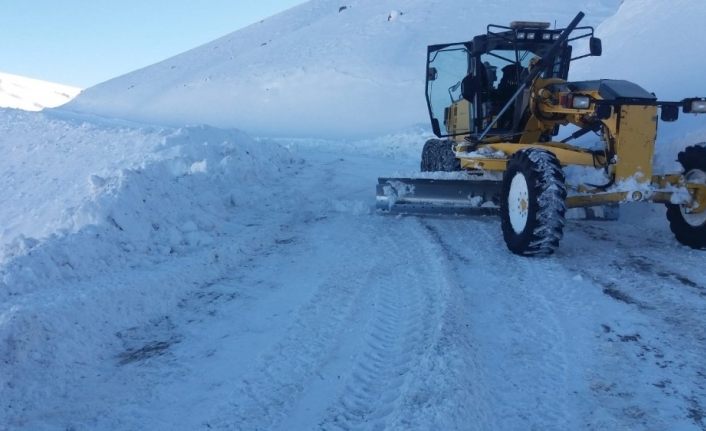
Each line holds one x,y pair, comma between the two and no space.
596,46
432,74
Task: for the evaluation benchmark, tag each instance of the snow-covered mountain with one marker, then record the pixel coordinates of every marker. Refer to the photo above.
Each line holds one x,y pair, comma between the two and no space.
324,68
33,94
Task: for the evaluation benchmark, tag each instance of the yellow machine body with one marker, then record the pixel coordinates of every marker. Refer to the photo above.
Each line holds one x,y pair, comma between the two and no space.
631,128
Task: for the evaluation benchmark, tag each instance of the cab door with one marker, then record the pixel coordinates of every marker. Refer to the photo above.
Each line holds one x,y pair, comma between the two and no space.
447,66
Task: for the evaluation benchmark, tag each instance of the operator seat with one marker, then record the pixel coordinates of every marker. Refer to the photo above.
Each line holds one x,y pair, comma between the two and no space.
477,84
509,83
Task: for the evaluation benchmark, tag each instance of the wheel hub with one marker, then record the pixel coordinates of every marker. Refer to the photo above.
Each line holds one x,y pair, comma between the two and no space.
692,218
518,203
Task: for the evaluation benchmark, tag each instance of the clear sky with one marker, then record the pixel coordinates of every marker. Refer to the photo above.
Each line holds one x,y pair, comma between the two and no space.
84,42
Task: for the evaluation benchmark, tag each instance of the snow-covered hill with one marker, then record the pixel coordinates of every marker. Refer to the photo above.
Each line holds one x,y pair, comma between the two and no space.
636,47
325,68
32,94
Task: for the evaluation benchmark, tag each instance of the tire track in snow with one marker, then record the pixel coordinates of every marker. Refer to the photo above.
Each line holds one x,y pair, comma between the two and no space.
268,393
449,392
404,316
440,389
546,301
515,330
265,396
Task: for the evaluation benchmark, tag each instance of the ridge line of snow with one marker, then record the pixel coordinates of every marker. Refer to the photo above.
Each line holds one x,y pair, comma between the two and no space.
30,94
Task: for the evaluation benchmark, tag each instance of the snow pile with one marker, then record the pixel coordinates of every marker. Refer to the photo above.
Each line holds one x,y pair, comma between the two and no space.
319,69
658,45
96,205
32,94
139,189
47,166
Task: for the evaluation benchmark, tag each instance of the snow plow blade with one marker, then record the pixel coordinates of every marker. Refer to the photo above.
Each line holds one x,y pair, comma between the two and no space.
438,196
425,196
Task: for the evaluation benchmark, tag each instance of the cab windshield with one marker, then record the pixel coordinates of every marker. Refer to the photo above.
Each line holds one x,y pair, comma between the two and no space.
498,74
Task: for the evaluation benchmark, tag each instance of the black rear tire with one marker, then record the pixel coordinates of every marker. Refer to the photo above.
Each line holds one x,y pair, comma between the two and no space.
438,155
690,229
533,205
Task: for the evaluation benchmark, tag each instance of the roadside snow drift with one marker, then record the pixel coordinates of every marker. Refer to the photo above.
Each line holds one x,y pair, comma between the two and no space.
324,68
95,205
62,173
32,94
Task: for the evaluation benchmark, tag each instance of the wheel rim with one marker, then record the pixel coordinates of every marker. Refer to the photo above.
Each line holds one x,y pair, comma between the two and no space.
694,219
518,203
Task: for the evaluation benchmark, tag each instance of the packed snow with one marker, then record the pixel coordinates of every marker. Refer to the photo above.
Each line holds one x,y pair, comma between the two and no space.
160,274
32,94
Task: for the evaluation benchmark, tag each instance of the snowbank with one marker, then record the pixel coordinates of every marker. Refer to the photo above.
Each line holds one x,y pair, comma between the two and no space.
316,70
94,206
48,163
138,189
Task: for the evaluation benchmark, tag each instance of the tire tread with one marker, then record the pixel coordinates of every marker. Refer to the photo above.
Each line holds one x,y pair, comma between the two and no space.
438,156
693,157
546,180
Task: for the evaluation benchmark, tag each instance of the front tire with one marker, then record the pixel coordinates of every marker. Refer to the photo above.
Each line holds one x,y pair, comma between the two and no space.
533,203
438,155
690,228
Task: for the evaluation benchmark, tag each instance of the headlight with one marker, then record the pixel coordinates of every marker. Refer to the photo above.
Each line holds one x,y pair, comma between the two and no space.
546,36
575,101
580,102
556,36
530,36
698,106
521,35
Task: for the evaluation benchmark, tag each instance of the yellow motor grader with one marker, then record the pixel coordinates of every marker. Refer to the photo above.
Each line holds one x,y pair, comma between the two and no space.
502,98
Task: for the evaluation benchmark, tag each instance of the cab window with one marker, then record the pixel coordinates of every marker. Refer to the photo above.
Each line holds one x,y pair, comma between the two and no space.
446,68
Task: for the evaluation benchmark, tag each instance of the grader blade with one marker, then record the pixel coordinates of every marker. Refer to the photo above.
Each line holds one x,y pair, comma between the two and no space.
426,196
438,196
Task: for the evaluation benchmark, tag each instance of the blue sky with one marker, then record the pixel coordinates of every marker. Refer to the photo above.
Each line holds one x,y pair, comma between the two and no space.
84,42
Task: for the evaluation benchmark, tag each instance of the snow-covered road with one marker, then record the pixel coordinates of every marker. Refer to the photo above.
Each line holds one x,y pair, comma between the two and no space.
318,313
